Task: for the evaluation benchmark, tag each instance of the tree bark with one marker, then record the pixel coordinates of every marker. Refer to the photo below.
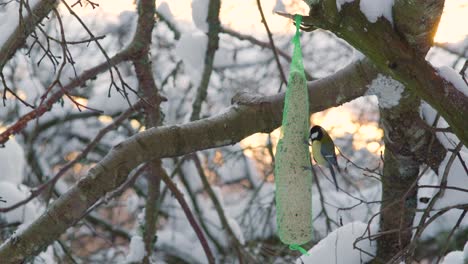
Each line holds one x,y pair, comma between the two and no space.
247,116
407,146
398,51
395,57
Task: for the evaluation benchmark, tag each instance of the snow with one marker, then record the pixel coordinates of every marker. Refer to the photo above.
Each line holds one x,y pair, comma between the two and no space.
465,251
373,9
10,19
338,247
218,194
165,10
215,225
459,47
454,257
279,6
428,114
453,77
456,177
339,3
184,245
236,229
457,257
12,162
132,203
46,257
387,90
191,49
13,193
357,55
236,166
137,250
200,13
336,200
116,102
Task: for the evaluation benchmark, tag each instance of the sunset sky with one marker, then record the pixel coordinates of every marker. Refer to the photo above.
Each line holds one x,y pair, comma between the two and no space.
451,27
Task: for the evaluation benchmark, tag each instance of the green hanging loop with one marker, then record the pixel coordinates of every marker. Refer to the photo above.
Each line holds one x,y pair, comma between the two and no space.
298,20
299,248
296,62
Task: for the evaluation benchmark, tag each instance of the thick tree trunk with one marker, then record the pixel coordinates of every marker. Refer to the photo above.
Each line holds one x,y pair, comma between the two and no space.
398,50
406,142
406,148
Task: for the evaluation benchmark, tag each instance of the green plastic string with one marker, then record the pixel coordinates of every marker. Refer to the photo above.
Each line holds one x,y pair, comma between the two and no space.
299,248
297,64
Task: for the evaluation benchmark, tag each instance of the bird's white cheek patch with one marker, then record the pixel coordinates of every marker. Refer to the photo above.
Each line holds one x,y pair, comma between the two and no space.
314,135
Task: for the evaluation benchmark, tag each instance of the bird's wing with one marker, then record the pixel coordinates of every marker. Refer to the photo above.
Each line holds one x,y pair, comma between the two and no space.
328,151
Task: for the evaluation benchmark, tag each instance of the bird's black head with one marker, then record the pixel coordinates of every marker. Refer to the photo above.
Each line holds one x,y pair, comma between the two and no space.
316,133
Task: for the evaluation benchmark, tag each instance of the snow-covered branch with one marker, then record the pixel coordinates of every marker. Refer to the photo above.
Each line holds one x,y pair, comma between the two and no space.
16,29
373,34
246,116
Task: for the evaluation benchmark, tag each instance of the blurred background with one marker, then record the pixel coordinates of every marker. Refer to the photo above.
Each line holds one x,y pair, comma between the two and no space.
241,175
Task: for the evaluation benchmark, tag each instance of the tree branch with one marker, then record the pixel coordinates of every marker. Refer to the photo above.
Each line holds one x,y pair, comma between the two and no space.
18,38
402,62
213,39
272,43
248,115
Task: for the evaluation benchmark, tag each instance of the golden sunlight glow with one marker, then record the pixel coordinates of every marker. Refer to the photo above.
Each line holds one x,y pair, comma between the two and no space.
257,141
105,119
19,93
339,121
453,24
135,124
368,136
245,17
72,155
113,7
77,168
336,121
373,146
80,100
218,158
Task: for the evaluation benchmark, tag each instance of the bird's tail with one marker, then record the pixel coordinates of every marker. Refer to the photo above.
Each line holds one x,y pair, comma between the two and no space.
334,176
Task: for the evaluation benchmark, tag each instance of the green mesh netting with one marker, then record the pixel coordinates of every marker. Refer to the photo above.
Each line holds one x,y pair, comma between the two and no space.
293,181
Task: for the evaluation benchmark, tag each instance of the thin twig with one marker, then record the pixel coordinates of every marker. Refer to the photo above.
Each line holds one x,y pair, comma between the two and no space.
180,198
82,155
272,43
443,252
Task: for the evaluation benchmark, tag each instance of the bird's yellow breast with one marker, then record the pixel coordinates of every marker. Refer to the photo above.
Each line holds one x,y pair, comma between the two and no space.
318,157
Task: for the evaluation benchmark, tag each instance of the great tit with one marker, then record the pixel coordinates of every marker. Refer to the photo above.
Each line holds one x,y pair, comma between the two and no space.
323,150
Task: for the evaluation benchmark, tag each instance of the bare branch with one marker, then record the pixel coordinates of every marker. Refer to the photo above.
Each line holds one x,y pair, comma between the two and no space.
213,40
248,116
22,31
272,43
402,62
